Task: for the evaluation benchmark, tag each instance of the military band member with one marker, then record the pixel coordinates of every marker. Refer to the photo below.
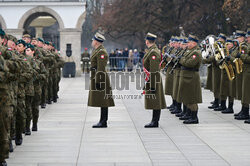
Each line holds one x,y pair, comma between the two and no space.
190,86
100,93
246,72
154,96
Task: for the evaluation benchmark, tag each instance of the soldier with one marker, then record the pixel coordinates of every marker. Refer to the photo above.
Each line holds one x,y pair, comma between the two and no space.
4,110
85,57
190,87
246,72
243,77
216,73
100,93
26,38
154,96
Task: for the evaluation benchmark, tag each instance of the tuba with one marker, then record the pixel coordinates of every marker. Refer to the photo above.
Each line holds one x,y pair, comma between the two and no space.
228,66
238,62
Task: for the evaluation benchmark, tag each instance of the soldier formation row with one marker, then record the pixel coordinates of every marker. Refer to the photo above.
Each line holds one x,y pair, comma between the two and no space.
30,72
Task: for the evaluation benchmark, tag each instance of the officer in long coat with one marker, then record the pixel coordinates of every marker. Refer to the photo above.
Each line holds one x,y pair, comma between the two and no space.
190,87
154,94
100,93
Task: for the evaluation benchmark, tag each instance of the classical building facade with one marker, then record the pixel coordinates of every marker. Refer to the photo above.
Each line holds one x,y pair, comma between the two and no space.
69,15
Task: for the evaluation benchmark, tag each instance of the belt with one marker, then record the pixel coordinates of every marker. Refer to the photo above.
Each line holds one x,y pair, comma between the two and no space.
189,69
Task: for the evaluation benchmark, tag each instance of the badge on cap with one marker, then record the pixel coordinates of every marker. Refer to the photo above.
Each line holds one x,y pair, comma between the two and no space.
194,56
153,57
102,56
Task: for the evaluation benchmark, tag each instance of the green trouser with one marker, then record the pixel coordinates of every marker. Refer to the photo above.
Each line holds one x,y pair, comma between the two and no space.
54,86
4,140
20,116
13,123
50,87
57,83
44,92
28,103
35,108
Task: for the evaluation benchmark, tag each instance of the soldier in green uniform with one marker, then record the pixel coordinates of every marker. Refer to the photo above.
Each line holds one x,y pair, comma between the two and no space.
85,57
243,82
190,87
100,93
154,96
26,38
4,97
246,72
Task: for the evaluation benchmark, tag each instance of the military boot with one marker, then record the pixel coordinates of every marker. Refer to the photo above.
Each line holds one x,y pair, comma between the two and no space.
27,129
215,104
222,106
103,120
172,105
194,118
230,109
11,146
244,115
239,113
19,140
183,112
43,106
155,120
187,115
247,121
55,99
4,163
177,110
34,127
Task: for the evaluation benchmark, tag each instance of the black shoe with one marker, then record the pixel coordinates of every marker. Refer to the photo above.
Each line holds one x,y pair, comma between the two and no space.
171,106
27,131
100,125
4,163
228,111
55,100
176,111
11,147
34,127
19,140
247,121
193,120
244,115
215,104
183,112
43,106
212,102
222,106
239,113
49,102
152,125
187,115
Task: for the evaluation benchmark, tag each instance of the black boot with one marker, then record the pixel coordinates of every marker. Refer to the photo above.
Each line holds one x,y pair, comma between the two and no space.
212,102
177,110
19,140
27,129
187,115
103,120
194,118
43,106
230,109
215,104
247,121
183,112
222,106
172,105
34,127
11,146
239,113
3,163
244,115
155,120
55,100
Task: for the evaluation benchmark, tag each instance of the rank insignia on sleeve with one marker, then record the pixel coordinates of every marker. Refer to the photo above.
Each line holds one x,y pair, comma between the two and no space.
153,57
194,56
102,56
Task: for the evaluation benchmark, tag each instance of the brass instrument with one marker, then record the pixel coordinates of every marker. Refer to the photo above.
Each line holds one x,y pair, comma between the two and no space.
238,62
163,50
219,54
228,66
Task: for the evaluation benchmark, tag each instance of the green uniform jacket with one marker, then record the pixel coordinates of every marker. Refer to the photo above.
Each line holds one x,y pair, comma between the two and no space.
100,97
169,78
190,86
154,94
245,57
209,83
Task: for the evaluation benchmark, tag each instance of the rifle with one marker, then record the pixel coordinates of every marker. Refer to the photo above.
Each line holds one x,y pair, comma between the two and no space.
171,60
166,55
177,62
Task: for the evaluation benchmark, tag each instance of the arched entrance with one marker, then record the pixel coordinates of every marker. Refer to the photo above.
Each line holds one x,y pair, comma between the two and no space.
2,23
42,22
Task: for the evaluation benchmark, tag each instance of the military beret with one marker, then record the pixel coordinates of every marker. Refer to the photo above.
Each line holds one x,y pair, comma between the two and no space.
21,42
151,36
46,42
34,38
193,38
240,33
26,36
2,33
223,36
12,38
99,37
30,46
40,39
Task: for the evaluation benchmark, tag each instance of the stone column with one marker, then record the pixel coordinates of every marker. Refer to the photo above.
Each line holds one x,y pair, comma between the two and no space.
73,37
39,32
18,33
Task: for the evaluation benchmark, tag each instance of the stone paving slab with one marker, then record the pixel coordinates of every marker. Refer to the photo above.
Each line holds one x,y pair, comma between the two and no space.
65,136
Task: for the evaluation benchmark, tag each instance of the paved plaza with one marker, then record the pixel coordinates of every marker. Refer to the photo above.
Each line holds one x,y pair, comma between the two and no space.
66,136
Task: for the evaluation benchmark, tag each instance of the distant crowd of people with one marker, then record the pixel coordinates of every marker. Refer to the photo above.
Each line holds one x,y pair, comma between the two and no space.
125,59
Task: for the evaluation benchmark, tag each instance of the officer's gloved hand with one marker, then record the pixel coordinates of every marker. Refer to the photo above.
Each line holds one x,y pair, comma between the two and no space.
228,58
238,55
152,90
